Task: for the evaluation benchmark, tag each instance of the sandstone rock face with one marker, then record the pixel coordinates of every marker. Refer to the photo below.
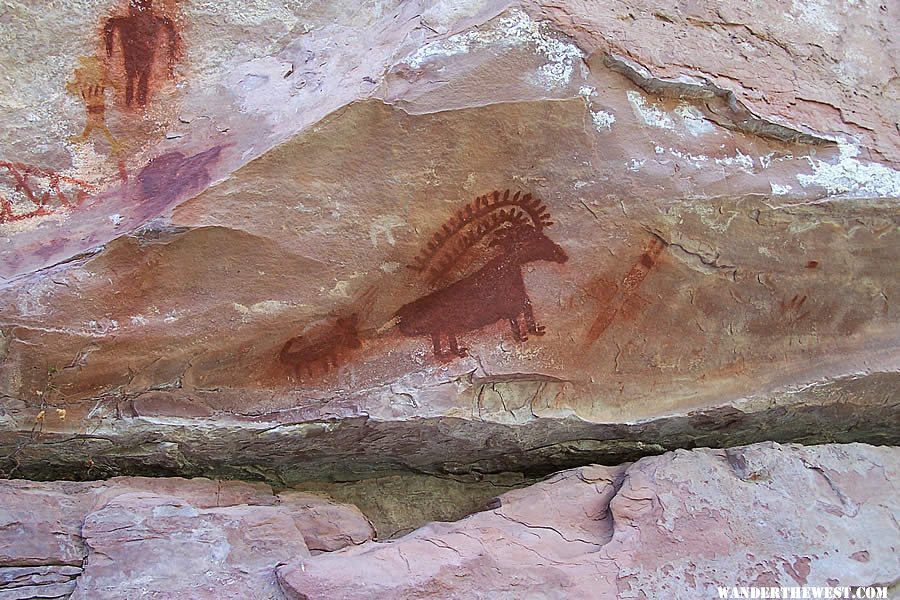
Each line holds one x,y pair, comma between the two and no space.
676,525
161,538
285,258
326,526
21,583
400,503
219,552
411,254
672,526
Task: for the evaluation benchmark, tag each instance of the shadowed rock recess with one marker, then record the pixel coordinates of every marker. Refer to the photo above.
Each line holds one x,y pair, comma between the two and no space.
394,259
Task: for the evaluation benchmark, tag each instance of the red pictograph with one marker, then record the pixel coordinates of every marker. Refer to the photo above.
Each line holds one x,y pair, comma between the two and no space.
515,225
42,192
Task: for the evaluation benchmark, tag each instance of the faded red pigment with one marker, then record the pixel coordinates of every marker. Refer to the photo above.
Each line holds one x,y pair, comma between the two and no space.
25,179
625,300
321,351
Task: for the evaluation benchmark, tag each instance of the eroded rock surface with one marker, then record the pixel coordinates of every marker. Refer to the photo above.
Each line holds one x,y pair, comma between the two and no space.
675,526
436,250
360,249
161,538
680,524
290,263
218,552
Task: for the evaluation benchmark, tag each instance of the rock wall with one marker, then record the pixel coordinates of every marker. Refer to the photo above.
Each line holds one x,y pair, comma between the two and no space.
438,248
488,236
674,525
176,538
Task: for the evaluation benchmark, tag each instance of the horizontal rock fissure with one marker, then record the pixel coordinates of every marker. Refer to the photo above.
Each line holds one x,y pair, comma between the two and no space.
357,449
736,116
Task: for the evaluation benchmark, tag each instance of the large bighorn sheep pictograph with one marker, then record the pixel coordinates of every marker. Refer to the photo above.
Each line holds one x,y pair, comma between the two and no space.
494,292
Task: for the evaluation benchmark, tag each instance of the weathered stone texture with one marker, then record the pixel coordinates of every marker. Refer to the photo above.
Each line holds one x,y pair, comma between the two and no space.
161,538
676,525
229,293
442,249
673,526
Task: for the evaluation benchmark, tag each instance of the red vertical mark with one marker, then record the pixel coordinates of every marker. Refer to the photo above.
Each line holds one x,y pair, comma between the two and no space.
793,310
625,299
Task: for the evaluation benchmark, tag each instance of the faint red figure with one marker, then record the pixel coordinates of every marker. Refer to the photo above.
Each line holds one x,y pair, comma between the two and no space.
90,84
140,34
27,180
623,299
324,349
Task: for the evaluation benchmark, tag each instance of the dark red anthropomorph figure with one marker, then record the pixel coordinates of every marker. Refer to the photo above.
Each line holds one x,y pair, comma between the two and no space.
140,34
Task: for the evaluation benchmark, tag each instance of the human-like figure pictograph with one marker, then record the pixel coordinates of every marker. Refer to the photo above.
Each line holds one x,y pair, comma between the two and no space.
140,34
89,84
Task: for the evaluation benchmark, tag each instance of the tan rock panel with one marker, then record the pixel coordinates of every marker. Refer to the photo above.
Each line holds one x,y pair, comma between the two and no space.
677,526
131,537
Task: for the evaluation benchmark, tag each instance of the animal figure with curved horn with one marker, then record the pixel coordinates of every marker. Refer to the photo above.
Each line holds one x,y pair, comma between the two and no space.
494,292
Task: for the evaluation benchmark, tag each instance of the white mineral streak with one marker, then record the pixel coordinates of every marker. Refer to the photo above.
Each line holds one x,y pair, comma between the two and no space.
635,164
602,120
651,115
851,178
780,190
514,29
815,13
740,160
693,120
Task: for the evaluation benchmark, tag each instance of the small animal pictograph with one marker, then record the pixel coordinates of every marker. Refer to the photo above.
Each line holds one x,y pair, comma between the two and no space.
512,225
322,349
325,345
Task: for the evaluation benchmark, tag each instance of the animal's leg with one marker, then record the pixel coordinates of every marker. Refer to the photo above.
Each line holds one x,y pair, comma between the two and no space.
436,343
113,142
143,85
83,136
455,349
129,88
517,329
529,320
